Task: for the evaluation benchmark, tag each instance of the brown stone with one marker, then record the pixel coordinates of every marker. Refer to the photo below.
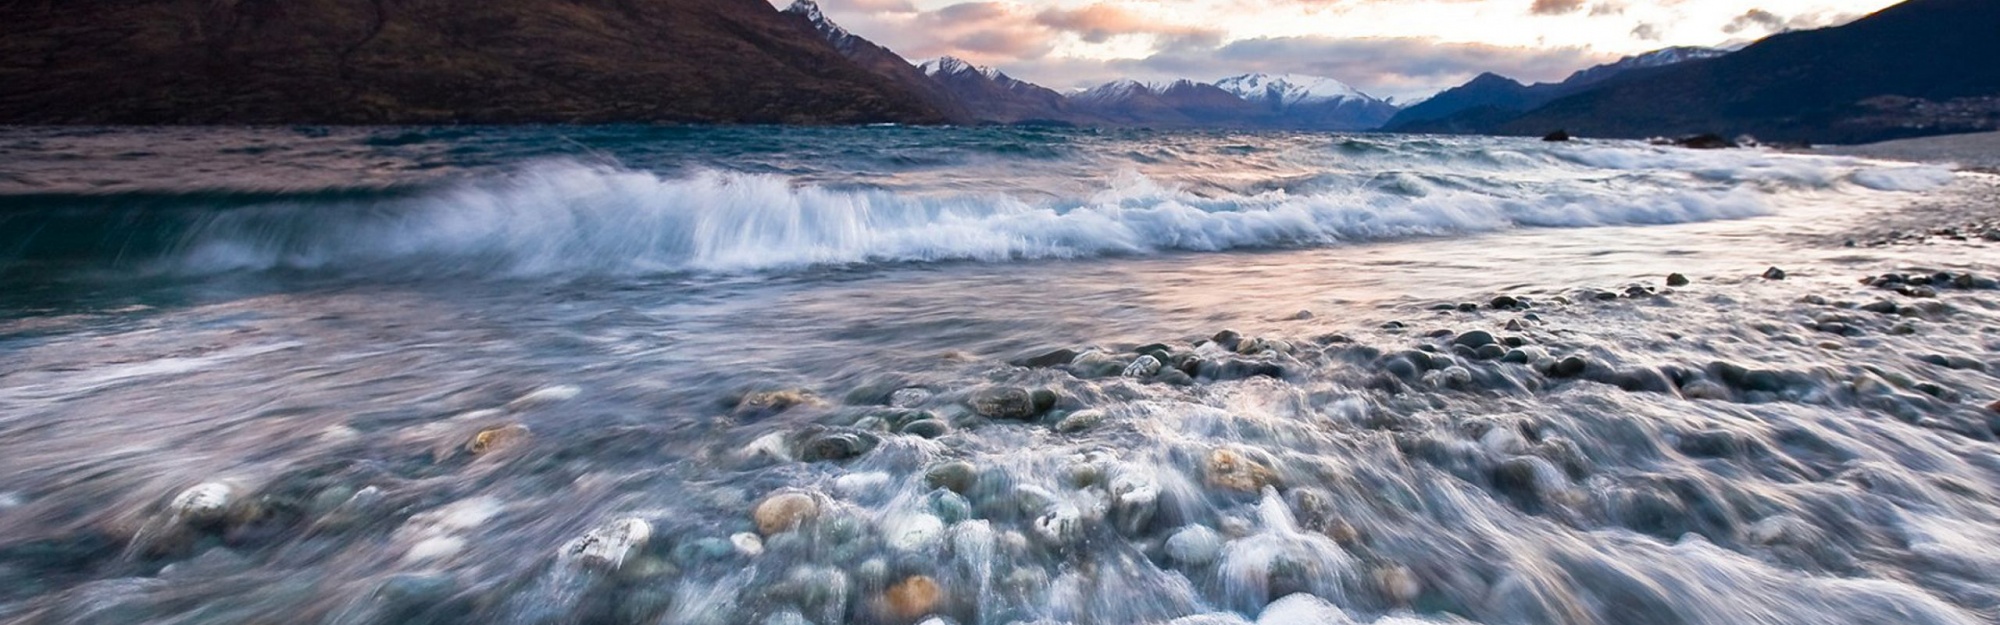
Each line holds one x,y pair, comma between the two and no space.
784,511
1232,470
913,597
496,438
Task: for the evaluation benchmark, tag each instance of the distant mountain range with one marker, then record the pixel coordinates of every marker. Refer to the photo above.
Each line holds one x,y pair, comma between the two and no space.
1490,99
1916,68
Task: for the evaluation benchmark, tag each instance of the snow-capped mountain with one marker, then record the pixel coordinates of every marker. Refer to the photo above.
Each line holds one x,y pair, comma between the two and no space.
1285,90
842,40
947,65
1181,103
1300,101
877,59
993,96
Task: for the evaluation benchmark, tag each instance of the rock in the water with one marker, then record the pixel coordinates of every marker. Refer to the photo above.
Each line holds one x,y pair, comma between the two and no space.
1234,470
784,511
1398,584
1302,315
495,438
608,546
1557,136
1227,339
914,597
1505,302
1194,545
772,402
1475,339
835,446
1774,273
1569,367
1080,420
1676,280
1004,402
1705,141
909,397
957,476
927,428
1044,360
1143,367
207,502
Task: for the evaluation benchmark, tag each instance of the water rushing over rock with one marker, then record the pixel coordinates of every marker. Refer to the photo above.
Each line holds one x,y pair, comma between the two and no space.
1529,425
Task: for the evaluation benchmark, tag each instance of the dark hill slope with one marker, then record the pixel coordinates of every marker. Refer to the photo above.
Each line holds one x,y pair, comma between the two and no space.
429,61
1854,83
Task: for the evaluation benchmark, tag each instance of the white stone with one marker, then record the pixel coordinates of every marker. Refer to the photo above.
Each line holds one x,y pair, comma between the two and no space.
204,502
545,395
609,545
747,544
1195,545
909,397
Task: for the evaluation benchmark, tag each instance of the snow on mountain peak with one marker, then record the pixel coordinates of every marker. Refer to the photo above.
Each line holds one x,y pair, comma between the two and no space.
810,9
1289,89
947,65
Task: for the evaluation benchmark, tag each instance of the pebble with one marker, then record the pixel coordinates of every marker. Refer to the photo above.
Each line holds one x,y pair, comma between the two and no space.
909,397
1004,402
1505,303
1080,420
1398,584
1233,470
775,401
1045,360
1569,367
496,438
784,511
747,544
1143,367
1676,280
608,545
1194,545
207,502
915,596
927,428
1475,339
1774,273
957,476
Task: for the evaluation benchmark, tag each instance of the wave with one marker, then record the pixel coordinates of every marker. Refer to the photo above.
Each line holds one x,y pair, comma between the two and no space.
568,217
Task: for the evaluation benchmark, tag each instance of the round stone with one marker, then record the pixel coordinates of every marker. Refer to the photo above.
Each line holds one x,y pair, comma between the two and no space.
957,476
1003,402
914,597
1232,470
784,511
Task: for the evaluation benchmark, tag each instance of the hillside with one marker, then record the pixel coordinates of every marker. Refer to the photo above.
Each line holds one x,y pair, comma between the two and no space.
1917,68
431,61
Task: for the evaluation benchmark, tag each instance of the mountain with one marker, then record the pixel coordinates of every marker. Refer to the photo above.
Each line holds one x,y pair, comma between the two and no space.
432,61
1177,104
882,61
1310,101
989,95
1657,58
1491,99
1915,68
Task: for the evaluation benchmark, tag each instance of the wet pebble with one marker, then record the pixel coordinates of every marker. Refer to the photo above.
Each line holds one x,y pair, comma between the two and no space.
913,597
1238,471
609,545
956,476
784,511
1774,273
1080,420
1003,402
1677,280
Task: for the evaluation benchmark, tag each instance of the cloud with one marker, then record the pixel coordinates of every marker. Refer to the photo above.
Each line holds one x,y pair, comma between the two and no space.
1555,7
1647,31
1766,21
1098,23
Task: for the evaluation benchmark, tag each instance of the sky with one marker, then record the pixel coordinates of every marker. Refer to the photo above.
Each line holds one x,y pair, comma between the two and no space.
1406,49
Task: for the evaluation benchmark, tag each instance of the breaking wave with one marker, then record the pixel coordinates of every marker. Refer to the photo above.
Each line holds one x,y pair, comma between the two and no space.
567,217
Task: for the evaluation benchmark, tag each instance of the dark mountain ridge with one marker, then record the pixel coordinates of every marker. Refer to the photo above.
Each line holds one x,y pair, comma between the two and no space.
1917,68
431,61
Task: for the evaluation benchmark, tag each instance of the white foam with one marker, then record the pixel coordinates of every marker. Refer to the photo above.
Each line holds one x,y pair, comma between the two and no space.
562,217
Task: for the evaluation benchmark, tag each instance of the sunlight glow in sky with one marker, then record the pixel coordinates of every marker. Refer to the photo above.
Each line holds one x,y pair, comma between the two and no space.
1401,48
